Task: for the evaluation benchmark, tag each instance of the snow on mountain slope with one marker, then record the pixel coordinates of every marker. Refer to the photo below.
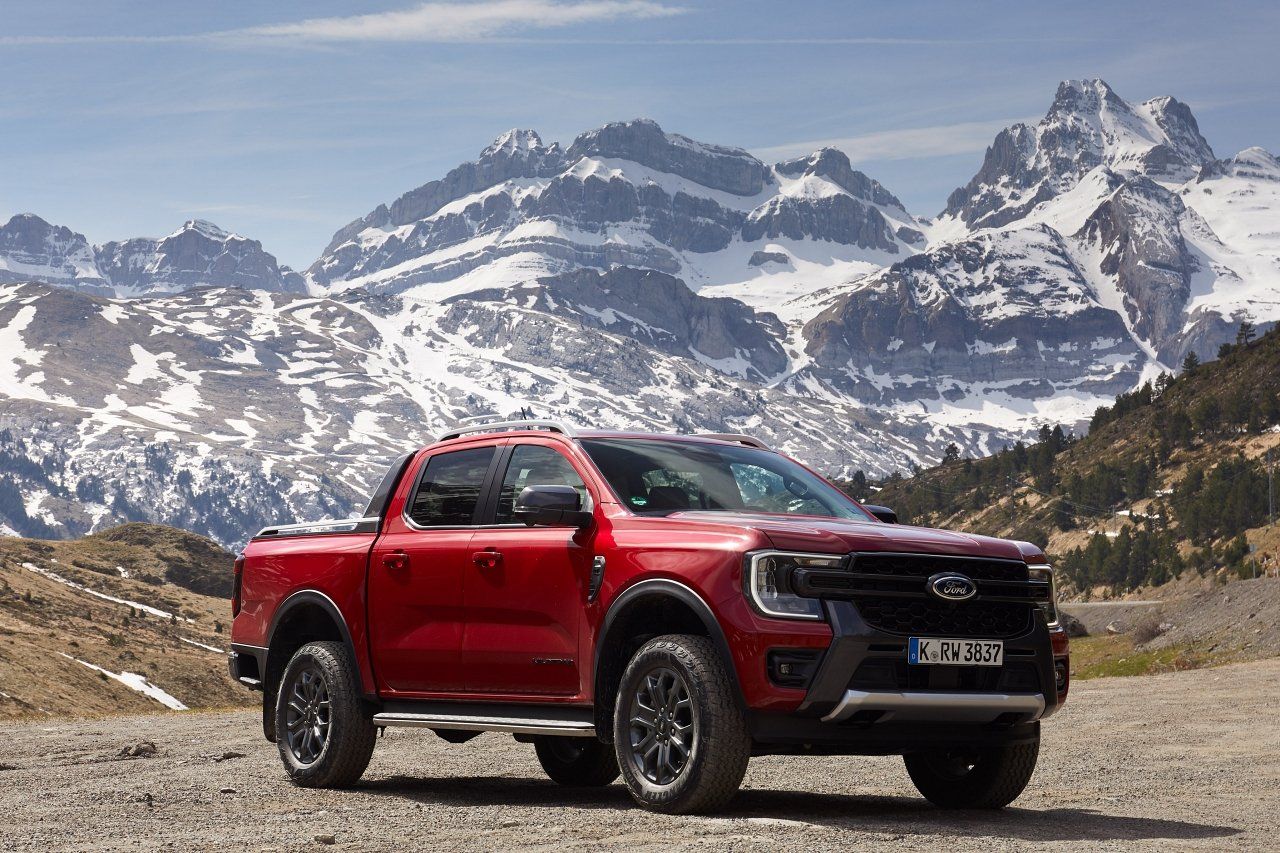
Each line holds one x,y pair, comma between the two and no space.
222,410
1002,329
1233,222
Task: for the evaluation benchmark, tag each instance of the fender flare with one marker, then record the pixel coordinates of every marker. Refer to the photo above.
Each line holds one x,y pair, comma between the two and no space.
666,588
311,596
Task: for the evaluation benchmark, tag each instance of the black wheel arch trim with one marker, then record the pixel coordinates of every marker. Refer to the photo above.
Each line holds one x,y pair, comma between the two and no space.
682,593
304,597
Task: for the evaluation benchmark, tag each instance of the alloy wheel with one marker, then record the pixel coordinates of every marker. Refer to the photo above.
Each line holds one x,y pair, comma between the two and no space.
307,716
663,726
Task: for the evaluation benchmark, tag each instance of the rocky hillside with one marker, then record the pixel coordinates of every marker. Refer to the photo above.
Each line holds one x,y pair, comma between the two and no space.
131,619
1175,478
632,278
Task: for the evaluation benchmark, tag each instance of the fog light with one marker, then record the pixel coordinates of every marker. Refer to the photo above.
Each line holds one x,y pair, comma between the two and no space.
792,667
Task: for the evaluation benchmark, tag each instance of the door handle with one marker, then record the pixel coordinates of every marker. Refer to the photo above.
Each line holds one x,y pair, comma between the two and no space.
488,559
396,560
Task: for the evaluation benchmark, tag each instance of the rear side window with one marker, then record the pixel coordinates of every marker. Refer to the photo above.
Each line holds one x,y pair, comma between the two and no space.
534,465
449,489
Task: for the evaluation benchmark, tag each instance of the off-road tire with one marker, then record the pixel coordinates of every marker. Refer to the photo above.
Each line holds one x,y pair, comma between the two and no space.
351,735
721,744
996,779
577,762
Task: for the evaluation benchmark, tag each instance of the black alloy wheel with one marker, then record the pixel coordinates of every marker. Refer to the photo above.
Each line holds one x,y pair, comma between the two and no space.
307,715
664,726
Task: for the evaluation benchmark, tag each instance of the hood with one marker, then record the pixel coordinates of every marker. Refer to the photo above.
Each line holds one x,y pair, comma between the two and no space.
838,535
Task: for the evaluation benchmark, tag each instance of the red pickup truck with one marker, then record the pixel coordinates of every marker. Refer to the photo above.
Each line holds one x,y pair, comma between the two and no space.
660,607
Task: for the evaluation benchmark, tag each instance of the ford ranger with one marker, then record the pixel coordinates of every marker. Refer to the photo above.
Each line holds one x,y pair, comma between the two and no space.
657,607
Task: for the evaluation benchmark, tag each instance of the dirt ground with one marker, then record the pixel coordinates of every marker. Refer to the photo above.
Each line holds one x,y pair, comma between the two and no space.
1178,761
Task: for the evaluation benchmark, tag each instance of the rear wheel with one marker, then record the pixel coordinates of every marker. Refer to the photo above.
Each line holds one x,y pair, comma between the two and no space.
324,738
988,778
681,739
577,762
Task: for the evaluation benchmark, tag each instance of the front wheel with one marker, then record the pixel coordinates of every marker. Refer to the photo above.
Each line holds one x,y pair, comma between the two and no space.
324,738
988,778
681,739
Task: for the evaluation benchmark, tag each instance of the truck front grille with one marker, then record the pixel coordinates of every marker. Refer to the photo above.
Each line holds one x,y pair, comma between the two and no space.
921,616
890,592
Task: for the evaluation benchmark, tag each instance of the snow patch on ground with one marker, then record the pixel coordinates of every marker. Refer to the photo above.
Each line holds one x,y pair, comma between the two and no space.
57,578
134,682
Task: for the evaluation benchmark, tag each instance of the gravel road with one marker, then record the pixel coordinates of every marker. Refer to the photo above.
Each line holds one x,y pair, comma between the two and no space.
1178,761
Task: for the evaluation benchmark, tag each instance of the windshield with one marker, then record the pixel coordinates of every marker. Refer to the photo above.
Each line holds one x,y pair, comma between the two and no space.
659,477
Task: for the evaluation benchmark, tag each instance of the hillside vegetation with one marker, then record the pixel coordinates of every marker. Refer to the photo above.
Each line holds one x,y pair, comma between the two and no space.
135,619
1173,477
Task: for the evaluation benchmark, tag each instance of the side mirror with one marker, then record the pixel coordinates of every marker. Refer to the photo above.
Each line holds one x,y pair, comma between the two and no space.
551,506
883,513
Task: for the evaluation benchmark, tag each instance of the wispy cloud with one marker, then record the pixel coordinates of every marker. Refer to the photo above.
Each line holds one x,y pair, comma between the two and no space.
425,22
463,21
909,144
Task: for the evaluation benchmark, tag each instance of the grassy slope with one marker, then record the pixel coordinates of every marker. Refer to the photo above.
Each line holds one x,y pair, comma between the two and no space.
42,620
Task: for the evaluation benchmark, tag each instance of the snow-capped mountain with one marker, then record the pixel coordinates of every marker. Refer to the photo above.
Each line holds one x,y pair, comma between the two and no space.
634,277
1088,126
1179,244
198,254
626,194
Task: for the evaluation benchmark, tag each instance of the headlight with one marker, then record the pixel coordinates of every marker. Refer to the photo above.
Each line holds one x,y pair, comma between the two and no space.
1050,607
768,583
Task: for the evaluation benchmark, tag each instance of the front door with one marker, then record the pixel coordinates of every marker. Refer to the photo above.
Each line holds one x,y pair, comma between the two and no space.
416,575
527,588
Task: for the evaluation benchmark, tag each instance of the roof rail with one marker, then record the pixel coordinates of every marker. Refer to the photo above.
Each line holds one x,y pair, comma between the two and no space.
737,438
477,424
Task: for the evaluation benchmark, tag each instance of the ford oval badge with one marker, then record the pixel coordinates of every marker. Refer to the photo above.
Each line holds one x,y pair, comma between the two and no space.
952,587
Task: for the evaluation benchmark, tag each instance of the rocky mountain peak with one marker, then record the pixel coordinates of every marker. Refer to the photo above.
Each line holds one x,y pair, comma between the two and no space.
205,228
514,141
1088,125
1084,97
197,254
1254,162
642,141
31,248
832,163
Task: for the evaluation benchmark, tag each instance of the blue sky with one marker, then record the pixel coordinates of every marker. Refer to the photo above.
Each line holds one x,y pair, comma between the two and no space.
286,120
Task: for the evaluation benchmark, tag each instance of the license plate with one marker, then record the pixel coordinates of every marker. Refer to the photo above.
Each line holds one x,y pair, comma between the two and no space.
928,650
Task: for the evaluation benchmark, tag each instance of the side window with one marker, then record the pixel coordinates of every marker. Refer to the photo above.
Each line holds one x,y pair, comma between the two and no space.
450,488
534,465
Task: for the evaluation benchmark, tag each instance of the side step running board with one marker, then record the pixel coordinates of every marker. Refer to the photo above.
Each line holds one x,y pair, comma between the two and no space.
467,723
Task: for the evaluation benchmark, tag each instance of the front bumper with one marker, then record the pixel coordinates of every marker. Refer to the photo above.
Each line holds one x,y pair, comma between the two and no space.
863,698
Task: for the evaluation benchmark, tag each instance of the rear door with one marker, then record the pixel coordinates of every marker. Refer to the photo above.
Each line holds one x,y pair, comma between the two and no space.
526,591
416,573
